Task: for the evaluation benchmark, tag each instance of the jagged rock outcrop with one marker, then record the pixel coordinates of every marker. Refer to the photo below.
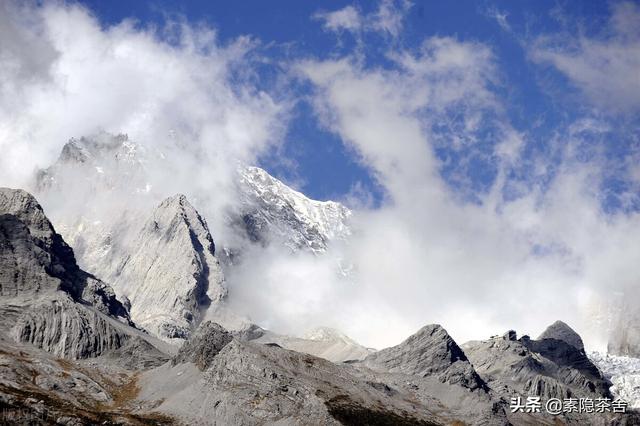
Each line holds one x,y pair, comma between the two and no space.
35,260
171,275
549,367
205,343
45,298
22,262
162,264
561,331
546,368
429,352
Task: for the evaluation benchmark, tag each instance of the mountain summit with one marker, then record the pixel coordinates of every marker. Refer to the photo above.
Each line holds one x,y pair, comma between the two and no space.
269,209
561,331
171,275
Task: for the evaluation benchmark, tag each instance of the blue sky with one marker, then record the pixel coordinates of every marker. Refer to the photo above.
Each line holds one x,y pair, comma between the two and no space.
538,99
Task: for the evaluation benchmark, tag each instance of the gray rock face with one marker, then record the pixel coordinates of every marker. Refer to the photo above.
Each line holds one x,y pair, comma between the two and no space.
171,275
561,331
45,299
429,352
37,388
549,368
22,262
35,260
205,343
68,330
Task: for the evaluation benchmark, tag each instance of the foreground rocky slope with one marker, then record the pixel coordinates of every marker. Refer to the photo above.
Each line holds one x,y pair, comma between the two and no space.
236,382
53,317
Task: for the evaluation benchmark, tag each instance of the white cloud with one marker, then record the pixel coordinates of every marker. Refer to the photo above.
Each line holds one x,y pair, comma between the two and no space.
347,18
605,68
64,76
501,18
386,19
389,16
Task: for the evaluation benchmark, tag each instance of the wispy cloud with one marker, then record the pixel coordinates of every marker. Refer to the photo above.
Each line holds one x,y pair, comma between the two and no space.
345,19
501,18
604,67
387,19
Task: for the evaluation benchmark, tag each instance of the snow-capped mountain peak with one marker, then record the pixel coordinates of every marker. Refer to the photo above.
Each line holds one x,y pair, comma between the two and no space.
271,208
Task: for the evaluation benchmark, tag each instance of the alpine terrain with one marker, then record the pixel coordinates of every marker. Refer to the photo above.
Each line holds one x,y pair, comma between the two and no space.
118,312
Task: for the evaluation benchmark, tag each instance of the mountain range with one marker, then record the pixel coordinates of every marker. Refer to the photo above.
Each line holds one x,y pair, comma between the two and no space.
117,310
